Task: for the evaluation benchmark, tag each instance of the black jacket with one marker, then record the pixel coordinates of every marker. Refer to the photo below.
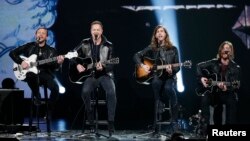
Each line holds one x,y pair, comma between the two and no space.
105,53
32,48
213,67
168,56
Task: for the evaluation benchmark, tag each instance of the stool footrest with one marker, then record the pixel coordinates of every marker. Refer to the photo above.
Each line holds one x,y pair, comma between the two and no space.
99,122
166,108
163,123
100,102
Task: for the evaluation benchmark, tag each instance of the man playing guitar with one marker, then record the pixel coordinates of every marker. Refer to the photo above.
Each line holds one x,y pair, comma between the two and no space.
226,72
99,49
45,76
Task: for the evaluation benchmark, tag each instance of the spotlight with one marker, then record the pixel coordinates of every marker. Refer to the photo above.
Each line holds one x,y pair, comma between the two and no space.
61,90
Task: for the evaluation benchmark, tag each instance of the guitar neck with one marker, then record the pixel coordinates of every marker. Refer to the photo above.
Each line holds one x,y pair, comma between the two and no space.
225,83
94,64
111,61
173,65
41,62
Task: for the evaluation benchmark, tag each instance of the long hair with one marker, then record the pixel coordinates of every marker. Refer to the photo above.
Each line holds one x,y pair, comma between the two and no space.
231,55
154,42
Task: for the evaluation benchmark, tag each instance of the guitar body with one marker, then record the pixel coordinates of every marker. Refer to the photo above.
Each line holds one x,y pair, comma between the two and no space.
201,90
75,76
79,78
156,67
212,82
20,73
142,76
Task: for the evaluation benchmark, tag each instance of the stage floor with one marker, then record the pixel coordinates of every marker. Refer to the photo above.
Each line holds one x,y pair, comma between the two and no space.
60,132
77,135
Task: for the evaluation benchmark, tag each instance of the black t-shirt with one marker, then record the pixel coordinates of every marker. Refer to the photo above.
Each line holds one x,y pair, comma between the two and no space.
95,52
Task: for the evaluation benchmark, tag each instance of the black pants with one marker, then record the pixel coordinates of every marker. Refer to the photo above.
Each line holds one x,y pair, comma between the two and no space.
43,78
230,101
164,91
216,100
108,86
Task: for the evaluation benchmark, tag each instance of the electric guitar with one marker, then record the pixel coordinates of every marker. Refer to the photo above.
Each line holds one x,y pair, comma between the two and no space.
89,65
20,73
212,82
143,77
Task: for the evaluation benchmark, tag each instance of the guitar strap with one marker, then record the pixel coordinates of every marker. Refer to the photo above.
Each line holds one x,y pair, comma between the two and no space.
94,55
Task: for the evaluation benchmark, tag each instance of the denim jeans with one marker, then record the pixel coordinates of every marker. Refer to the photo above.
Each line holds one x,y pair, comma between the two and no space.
107,84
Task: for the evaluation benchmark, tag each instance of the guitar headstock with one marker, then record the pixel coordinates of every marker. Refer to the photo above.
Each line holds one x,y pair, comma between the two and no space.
112,61
236,84
187,64
71,55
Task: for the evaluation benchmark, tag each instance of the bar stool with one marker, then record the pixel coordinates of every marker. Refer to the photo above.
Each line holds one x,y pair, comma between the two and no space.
162,110
159,110
37,106
96,103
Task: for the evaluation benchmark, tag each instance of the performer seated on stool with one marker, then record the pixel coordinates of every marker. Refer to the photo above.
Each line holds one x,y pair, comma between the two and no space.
45,72
99,49
226,75
161,52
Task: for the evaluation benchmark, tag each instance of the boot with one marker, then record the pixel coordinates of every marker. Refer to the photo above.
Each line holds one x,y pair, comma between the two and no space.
175,126
111,128
37,101
92,128
91,122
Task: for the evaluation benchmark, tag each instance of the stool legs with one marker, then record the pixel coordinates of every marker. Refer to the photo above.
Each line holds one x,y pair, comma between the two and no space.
37,111
94,125
47,109
31,114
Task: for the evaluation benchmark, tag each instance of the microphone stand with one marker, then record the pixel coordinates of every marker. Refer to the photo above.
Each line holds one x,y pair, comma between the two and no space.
155,131
156,57
94,54
35,98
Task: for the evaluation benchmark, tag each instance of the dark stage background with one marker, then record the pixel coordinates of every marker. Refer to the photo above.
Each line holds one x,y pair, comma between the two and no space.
200,34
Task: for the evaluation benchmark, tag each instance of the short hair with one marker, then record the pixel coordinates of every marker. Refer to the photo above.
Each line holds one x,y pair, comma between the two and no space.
44,29
97,22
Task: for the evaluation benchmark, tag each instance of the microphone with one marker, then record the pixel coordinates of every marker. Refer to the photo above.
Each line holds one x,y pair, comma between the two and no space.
159,44
226,52
95,38
37,39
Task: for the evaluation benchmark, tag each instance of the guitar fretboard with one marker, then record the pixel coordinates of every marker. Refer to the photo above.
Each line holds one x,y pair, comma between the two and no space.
173,65
41,62
111,61
225,83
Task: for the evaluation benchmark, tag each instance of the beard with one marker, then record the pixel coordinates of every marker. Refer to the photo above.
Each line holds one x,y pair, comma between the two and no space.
225,56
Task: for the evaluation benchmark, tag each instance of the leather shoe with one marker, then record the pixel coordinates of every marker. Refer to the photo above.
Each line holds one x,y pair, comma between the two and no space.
92,129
